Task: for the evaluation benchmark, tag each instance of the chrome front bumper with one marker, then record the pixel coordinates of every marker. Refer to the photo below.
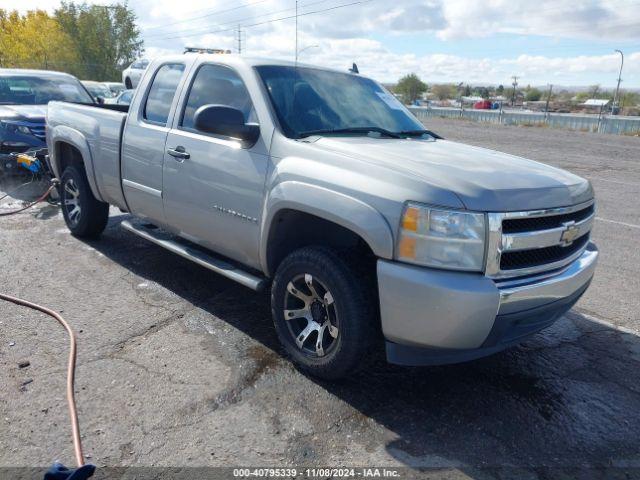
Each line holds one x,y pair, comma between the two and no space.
518,295
443,317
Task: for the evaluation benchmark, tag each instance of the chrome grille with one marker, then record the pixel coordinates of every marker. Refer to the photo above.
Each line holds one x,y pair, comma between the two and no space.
526,243
39,131
526,224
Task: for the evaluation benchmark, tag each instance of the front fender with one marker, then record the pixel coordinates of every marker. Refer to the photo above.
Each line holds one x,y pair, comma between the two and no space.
335,207
63,134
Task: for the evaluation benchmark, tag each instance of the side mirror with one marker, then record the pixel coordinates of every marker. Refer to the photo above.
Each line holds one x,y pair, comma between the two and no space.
100,100
227,121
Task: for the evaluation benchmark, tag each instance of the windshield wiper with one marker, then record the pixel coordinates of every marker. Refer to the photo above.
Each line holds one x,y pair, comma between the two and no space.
365,130
418,133
9,103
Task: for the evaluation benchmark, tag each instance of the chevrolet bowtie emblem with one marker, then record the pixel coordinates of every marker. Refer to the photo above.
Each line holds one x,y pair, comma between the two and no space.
569,234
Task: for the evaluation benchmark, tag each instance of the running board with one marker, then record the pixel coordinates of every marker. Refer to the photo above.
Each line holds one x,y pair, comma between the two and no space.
173,244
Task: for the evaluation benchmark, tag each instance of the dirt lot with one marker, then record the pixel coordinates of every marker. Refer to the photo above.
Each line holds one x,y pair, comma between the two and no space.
180,367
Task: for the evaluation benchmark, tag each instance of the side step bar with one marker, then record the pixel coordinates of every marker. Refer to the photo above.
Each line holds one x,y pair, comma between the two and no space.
173,244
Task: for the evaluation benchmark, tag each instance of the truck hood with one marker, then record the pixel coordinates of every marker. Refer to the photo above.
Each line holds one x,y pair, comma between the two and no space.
483,180
30,113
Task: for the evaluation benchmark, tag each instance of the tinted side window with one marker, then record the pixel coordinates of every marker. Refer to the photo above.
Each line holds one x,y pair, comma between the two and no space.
161,93
217,85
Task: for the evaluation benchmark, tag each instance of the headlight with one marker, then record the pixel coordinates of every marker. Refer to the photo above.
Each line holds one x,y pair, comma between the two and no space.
441,238
13,127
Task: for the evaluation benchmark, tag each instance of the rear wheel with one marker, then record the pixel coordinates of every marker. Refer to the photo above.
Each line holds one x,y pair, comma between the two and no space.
84,215
322,313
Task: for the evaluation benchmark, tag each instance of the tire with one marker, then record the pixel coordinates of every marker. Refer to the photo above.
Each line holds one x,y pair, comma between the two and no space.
128,84
345,318
85,216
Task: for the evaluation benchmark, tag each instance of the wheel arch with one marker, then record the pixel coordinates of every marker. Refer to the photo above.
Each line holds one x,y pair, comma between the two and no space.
299,214
70,147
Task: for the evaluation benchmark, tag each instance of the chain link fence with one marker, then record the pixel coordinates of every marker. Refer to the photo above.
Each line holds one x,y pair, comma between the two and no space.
615,124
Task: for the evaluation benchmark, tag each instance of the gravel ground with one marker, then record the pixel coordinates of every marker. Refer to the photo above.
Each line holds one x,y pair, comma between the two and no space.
180,367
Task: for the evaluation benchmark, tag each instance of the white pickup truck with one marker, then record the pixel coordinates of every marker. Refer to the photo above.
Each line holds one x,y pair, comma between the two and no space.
321,185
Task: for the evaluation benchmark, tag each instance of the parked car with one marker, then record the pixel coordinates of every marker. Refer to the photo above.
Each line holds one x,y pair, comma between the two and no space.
98,90
124,98
131,75
483,105
322,186
24,95
116,88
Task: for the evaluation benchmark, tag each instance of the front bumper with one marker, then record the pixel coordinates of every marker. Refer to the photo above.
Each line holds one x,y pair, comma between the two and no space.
432,317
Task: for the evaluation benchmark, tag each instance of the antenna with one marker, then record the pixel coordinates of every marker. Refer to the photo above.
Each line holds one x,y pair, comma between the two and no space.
354,68
296,31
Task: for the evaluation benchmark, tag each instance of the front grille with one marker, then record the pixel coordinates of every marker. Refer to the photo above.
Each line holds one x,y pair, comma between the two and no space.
39,132
532,242
540,256
518,225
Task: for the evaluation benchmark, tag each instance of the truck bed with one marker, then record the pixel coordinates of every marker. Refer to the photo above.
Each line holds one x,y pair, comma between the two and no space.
96,129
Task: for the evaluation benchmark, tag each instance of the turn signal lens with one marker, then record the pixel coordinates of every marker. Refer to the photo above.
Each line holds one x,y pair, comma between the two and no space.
410,219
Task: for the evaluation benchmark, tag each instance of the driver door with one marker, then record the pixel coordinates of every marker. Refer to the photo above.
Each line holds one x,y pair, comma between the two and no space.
212,186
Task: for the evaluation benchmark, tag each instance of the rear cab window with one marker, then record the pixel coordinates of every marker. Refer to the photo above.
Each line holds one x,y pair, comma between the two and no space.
162,93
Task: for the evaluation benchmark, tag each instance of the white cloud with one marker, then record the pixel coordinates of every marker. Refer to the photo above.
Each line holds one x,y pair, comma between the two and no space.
345,35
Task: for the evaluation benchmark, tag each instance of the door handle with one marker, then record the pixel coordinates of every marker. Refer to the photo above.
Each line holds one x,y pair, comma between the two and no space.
178,153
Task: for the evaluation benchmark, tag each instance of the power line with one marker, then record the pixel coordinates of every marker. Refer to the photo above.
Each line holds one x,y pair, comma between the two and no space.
360,2
216,12
205,28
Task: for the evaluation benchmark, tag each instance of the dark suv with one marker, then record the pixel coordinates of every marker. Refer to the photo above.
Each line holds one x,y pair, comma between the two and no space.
24,95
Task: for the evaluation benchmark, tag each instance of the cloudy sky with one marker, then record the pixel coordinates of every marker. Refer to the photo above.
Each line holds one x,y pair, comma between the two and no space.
563,42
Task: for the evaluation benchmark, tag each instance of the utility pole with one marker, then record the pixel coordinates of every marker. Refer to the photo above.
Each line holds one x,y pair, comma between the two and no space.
239,39
513,95
546,107
615,97
296,31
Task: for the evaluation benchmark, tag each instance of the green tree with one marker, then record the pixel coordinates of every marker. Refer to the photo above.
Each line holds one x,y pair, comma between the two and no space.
444,91
629,99
482,92
532,94
411,87
106,38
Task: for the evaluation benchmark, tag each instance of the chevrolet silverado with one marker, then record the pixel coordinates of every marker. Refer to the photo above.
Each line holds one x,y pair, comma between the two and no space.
323,187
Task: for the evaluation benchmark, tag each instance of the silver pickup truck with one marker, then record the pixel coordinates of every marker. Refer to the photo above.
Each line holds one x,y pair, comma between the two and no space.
321,185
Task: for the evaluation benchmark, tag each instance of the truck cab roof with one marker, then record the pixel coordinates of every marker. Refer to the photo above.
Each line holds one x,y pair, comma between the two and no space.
233,59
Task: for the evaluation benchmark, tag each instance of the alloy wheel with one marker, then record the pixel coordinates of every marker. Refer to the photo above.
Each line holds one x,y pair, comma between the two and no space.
71,201
310,314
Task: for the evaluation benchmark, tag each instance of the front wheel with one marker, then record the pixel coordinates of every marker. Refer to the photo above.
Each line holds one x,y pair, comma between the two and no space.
83,213
322,313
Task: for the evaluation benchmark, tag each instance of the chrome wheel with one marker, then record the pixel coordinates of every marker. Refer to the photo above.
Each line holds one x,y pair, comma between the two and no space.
71,201
310,314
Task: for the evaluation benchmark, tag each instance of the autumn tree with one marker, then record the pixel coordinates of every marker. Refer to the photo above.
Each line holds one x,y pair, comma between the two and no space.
34,40
411,87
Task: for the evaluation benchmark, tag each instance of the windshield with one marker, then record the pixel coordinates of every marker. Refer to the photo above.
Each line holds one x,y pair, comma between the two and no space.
311,100
99,90
30,90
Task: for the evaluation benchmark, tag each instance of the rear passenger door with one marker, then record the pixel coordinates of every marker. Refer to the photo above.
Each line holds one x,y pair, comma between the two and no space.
214,194
144,140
